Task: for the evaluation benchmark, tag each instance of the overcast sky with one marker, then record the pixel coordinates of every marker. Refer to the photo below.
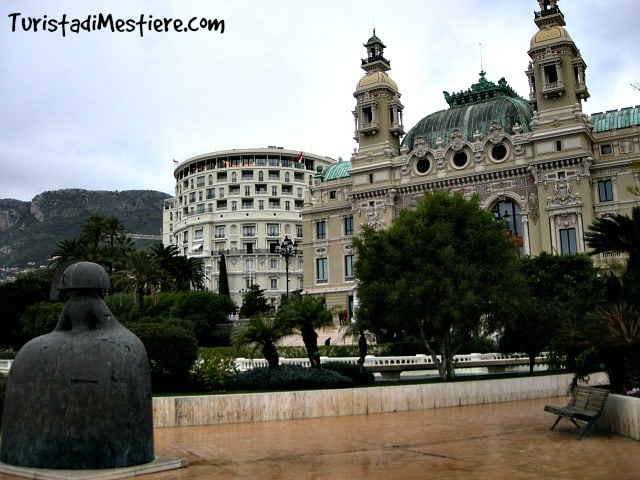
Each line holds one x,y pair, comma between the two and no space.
103,110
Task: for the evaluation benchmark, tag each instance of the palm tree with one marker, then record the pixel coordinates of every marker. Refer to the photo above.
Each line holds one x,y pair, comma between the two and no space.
262,332
617,233
616,327
66,252
188,272
94,230
142,275
306,313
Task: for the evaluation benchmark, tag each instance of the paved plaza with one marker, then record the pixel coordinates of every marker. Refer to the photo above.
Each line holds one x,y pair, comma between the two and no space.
497,441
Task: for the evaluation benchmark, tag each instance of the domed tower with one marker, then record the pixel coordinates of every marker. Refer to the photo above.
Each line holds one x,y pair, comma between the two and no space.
378,113
562,135
557,71
378,122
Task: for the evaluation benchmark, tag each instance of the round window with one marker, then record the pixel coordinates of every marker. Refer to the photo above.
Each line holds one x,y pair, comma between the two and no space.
423,165
499,152
460,159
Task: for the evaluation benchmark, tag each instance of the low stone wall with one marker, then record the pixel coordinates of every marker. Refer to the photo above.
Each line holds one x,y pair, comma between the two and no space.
621,415
264,407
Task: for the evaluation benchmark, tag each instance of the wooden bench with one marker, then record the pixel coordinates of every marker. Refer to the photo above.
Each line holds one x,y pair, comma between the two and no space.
585,404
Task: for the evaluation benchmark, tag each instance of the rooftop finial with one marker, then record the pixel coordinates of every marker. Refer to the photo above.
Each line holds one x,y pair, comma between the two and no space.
481,67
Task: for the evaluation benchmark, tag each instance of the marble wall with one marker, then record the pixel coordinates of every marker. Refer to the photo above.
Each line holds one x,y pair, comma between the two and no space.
263,407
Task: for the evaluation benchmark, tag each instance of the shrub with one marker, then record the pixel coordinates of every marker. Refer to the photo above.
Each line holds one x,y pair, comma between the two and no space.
213,370
354,372
289,377
172,351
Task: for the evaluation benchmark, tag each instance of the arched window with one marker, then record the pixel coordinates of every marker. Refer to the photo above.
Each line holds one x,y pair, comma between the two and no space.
508,211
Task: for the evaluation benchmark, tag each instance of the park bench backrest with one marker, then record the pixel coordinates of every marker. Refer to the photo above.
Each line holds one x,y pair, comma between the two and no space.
589,399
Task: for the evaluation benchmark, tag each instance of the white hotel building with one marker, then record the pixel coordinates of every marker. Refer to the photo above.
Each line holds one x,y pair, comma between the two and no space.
241,203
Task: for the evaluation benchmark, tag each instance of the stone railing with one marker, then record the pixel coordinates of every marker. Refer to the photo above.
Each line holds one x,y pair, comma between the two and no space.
391,367
5,366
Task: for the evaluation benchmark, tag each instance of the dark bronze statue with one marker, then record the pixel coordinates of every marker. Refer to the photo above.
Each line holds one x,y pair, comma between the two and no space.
80,396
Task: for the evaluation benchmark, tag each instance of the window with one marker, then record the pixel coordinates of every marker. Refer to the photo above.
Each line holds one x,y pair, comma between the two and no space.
274,191
287,205
260,204
287,177
460,159
299,190
198,234
568,245
321,230
273,229
192,197
348,267
220,231
200,208
605,149
299,231
249,230
234,206
332,194
322,270
273,263
200,181
348,225
211,193
247,191
234,177
605,190
247,203
274,284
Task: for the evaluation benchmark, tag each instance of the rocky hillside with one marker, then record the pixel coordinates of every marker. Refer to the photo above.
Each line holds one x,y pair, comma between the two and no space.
29,231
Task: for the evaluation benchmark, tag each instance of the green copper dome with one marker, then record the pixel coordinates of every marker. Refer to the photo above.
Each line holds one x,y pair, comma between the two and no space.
341,169
474,110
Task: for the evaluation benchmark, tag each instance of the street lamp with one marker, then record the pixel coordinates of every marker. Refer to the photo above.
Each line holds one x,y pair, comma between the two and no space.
287,249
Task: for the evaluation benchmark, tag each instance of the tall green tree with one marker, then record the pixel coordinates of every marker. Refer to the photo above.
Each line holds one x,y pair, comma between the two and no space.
94,230
254,302
205,311
142,275
440,272
306,313
556,294
188,273
223,283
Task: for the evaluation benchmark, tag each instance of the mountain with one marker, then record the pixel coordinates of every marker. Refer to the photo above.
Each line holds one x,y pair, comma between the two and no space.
30,231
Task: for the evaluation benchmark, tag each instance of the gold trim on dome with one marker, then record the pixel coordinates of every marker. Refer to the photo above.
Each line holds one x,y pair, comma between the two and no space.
548,34
376,77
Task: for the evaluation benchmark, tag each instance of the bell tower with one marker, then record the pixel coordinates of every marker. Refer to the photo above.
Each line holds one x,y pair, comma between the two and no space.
557,71
561,132
378,113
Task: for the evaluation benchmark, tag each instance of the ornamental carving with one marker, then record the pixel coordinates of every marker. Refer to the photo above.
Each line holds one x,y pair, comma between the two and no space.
496,133
420,147
562,194
457,141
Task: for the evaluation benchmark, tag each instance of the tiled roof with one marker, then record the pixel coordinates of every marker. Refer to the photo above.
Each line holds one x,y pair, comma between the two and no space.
612,119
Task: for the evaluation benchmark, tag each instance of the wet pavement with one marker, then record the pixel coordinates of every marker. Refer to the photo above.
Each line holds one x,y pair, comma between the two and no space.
497,441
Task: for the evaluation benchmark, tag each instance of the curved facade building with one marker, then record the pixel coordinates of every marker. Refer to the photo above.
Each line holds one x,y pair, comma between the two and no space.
239,204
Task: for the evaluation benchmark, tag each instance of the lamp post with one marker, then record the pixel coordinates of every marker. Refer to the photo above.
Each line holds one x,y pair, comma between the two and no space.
287,249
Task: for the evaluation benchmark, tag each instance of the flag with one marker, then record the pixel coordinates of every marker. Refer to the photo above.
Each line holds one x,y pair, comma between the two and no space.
299,158
175,162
